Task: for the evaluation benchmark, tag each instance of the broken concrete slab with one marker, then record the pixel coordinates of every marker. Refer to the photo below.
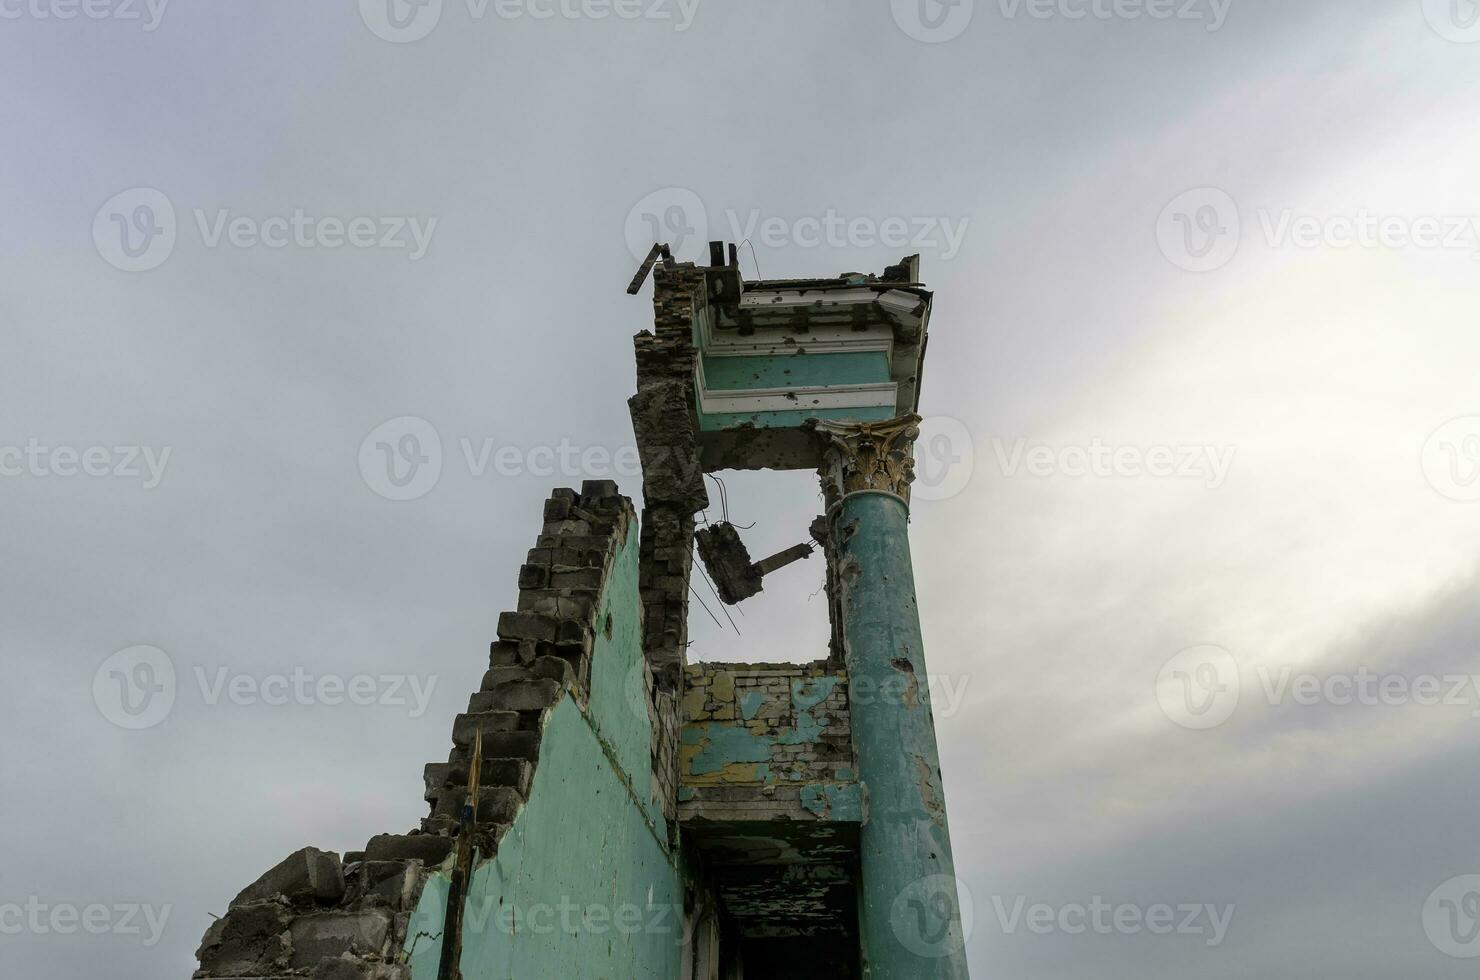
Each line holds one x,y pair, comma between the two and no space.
425,848
728,562
391,884
329,935
249,941
306,875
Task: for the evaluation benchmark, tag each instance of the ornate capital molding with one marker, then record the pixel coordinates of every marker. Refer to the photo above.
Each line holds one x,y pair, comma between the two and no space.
862,456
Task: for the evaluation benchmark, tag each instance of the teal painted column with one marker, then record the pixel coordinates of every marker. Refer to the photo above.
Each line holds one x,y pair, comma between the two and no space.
909,907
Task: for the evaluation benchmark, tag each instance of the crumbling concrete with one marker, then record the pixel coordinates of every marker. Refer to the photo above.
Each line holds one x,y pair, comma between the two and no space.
728,561
309,874
312,917
753,828
664,420
543,650
767,742
318,915
736,577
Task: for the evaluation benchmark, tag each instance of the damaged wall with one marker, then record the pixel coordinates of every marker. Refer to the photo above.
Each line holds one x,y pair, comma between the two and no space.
637,816
665,423
767,742
584,882
566,710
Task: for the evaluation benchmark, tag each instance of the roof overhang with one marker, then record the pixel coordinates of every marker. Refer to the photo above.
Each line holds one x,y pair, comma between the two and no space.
776,356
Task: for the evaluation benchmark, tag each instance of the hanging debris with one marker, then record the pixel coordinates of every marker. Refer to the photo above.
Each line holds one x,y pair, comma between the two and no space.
735,576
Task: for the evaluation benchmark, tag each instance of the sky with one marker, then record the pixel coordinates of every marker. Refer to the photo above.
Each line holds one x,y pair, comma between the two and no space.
1198,517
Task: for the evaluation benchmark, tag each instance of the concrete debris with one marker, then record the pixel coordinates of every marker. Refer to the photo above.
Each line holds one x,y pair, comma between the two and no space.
315,915
309,874
725,556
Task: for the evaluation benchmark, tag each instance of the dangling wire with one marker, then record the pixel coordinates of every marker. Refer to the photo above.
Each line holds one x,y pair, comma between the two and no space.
706,608
753,258
724,505
724,498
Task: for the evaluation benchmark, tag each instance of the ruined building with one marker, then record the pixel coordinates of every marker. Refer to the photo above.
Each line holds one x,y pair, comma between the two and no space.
610,809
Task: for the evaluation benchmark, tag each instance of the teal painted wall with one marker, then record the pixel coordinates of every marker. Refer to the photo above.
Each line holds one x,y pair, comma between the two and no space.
738,373
618,704
584,885
775,730
744,373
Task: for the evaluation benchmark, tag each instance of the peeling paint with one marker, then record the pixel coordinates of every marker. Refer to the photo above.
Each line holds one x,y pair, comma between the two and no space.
809,693
904,835
833,801
750,703
756,737
722,745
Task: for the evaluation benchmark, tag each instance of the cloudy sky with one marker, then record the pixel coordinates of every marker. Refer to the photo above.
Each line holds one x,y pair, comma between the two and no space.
1199,508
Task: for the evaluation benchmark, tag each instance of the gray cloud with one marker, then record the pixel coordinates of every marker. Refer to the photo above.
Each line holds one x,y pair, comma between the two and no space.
1056,143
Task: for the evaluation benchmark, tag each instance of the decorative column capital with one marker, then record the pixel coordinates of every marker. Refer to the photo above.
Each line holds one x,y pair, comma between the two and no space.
868,456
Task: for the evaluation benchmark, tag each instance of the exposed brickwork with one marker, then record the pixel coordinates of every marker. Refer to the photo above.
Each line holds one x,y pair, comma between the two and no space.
821,532
322,916
767,741
317,916
664,421
666,727
543,649
771,798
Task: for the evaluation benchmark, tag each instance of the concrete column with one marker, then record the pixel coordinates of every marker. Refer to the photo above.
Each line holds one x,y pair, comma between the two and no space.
909,908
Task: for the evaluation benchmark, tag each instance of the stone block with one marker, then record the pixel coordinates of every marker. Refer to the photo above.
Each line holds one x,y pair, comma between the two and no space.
502,745
330,935
306,875
496,676
496,804
583,578
555,669
425,848
522,695
593,492
249,941
527,626
386,884
488,722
